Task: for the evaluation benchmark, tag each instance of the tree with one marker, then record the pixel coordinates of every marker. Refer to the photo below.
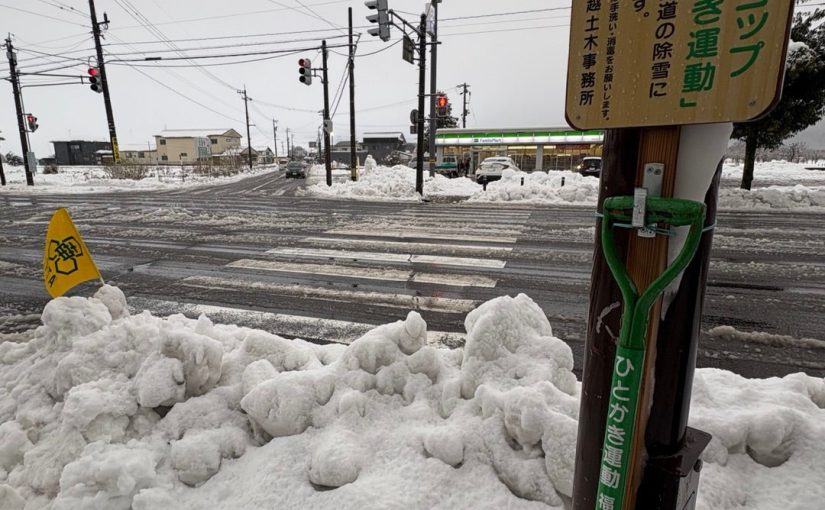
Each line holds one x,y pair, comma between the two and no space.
13,159
803,95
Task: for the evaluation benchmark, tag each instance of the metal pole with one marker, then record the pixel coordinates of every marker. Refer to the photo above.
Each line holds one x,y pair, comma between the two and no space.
327,154
464,110
18,105
352,153
422,77
433,86
275,131
107,100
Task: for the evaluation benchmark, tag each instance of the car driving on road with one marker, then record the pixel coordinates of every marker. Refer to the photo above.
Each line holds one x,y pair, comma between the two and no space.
491,169
296,169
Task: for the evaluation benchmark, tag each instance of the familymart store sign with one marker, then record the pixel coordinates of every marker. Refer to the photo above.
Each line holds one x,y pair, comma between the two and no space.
674,62
554,137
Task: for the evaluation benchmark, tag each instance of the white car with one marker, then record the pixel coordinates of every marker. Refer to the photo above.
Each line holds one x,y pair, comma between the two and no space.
491,169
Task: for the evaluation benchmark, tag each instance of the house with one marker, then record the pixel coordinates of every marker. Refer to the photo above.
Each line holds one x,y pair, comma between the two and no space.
187,146
340,153
78,152
265,155
138,155
381,145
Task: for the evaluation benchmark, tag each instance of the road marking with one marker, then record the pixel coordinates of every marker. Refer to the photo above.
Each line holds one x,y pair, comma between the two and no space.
396,275
405,301
411,234
295,326
406,245
440,260
386,274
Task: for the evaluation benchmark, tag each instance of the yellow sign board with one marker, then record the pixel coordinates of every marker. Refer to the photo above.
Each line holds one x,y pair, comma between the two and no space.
666,62
66,259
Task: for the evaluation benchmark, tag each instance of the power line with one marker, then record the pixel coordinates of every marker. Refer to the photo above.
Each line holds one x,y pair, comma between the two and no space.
41,15
66,8
511,13
225,55
221,46
232,36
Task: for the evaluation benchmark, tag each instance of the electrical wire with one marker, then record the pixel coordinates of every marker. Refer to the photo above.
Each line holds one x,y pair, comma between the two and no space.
222,46
66,8
41,15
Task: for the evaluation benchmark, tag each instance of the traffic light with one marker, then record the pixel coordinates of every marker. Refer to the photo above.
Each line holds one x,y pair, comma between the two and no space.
31,120
382,17
442,103
94,79
305,70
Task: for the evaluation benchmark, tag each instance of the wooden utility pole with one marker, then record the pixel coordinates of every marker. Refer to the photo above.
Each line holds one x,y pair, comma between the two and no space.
18,106
104,82
248,135
275,135
327,121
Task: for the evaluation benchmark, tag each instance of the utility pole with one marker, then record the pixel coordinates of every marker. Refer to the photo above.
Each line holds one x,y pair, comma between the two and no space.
288,150
318,146
2,173
107,100
327,121
275,131
464,112
352,163
248,136
433,72
18,105
422,77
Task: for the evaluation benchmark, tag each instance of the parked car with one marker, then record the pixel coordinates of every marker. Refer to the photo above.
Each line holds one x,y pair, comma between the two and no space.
448,167
591,165
491,169
296,169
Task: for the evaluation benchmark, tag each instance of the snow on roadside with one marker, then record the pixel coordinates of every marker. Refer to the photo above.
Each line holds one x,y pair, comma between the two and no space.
94,179
102,409
542,188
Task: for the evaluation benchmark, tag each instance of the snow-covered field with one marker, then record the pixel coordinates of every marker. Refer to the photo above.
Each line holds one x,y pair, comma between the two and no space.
94,179
106,410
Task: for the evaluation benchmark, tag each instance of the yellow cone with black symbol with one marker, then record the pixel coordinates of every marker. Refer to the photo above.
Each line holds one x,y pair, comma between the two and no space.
66,260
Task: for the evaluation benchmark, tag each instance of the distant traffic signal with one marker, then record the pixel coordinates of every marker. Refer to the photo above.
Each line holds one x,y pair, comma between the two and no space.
382,17
305,71
94,79
442,103
31,120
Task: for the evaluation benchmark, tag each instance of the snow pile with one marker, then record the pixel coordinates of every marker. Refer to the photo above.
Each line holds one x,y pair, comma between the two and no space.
455,187
381,183
95,179
774,197
540,187
100,409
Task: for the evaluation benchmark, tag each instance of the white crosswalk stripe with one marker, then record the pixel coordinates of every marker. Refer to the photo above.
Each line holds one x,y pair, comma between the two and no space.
427,263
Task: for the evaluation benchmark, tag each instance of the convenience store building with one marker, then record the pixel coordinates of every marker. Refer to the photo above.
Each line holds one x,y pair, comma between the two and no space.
559,148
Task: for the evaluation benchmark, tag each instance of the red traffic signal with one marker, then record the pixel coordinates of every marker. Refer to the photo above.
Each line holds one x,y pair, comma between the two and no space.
95,79
305,71
442,102
31,120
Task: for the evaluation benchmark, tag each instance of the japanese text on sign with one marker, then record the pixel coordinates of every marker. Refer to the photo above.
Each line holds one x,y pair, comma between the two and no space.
666,62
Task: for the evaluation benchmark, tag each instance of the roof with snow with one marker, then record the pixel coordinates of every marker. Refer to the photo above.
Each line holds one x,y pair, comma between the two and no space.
199,133
398,135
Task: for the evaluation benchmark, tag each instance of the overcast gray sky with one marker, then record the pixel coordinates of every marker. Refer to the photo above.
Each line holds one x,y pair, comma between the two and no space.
515,65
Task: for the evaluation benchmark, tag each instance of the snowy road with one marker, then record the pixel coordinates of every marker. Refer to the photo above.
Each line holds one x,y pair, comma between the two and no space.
252,253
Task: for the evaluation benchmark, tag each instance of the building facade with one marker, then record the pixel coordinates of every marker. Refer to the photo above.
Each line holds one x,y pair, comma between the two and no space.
559,148
78,152
381,145
189,146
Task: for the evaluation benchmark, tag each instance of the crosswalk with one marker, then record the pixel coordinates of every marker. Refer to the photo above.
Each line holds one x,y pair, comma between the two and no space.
336,284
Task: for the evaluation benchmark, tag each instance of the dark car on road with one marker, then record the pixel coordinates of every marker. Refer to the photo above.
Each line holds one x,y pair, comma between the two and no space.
296,169
592,166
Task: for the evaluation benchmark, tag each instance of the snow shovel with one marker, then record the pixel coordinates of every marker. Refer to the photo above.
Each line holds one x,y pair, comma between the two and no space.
630,352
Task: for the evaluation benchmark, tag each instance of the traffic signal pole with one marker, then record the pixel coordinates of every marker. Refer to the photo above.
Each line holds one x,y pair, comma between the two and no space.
18,106
107,100
433,81
352,144
327,154
422,77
